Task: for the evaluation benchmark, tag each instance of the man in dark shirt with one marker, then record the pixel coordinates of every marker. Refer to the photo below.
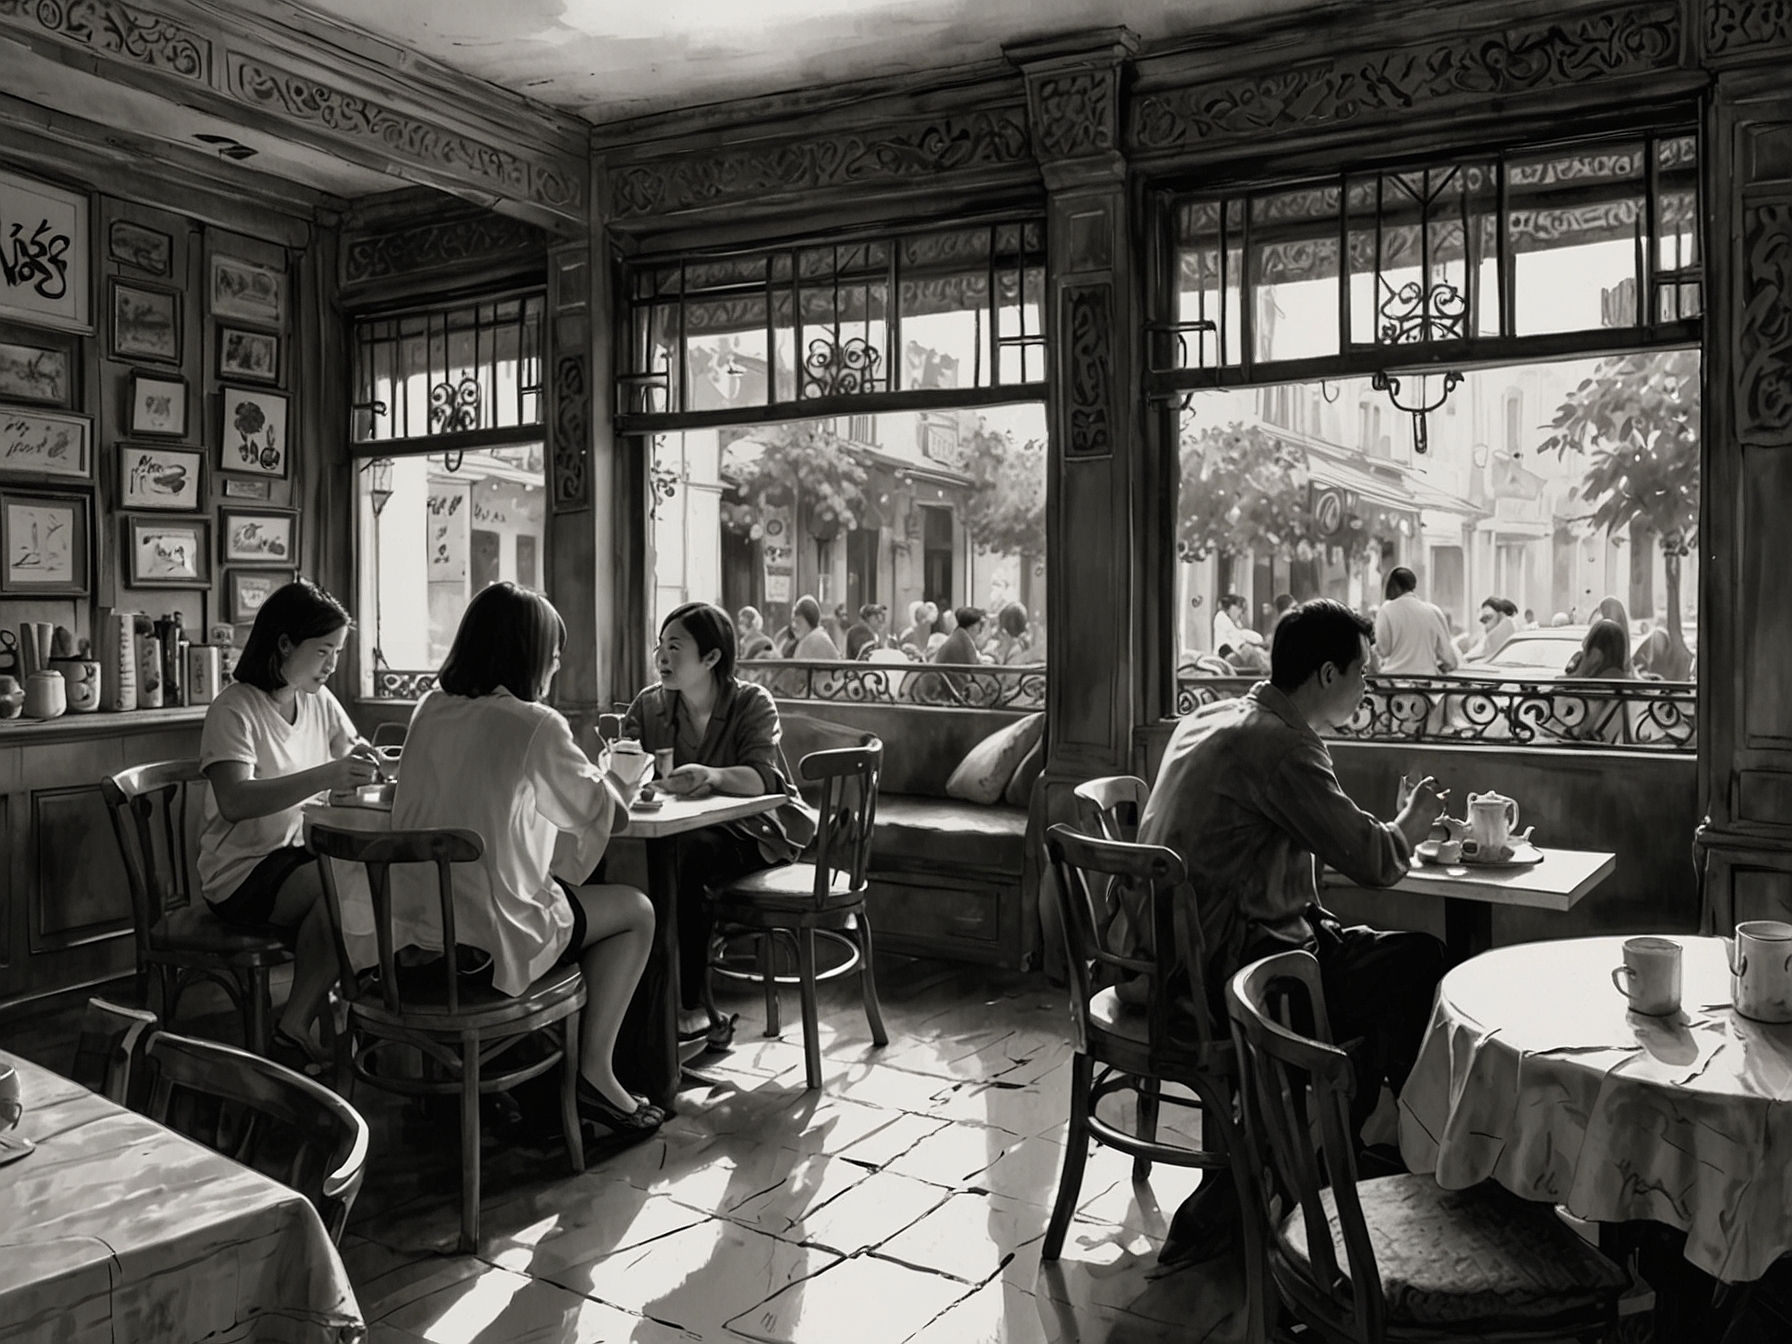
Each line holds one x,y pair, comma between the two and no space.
868,631
1247,795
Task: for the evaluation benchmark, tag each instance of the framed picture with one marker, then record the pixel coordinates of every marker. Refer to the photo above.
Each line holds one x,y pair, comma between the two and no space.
45,281
251,355
43,543
248,292
168,552
45,443
253,440
258,538
144,248
158,406
37,373
246,589
160,478
145,322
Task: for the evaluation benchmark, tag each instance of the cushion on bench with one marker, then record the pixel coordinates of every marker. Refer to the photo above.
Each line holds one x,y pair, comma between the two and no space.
917,832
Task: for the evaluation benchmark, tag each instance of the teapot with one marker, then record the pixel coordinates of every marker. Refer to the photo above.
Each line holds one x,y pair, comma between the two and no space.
1492,817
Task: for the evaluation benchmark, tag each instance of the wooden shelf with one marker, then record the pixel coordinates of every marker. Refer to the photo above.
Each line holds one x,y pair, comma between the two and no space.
23,732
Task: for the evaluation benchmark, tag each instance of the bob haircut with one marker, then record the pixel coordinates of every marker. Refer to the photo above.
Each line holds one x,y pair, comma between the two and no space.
809,609
299,611
508,638
709,628
968,616
1313,634
1013,620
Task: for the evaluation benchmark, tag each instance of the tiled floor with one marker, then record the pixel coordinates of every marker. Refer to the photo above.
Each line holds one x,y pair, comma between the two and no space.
904,1202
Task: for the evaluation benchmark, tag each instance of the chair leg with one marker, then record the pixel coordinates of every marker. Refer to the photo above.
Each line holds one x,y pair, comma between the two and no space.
765,945
1148,1093
805,953
569,1093
1076,1155
874,1013
469,1145
258,1010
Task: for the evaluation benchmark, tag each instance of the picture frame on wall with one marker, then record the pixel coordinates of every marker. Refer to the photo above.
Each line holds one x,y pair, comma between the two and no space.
247,292
45,443
145,322
40,374
246,589
166,479
158,406
253,356
141,247
168,552
253,438
46,281
44,544
257,536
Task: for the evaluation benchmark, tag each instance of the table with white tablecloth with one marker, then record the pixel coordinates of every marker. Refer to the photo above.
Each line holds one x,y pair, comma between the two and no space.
1535,1073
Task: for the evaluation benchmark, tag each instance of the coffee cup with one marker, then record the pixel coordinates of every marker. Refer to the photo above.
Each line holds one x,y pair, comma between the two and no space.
662,763
12,1104
1761,967
1650,975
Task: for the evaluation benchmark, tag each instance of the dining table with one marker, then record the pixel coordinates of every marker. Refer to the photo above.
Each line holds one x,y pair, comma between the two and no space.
114,1227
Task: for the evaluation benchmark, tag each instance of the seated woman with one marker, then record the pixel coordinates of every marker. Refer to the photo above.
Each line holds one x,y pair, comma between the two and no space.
274,738
1604,656
485,754
724,735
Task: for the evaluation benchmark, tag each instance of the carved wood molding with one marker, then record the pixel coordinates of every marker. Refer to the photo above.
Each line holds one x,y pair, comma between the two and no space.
122,31
1764,343
1462,68
908,151
422,248
1076,113
572,430
1088,357
1744,26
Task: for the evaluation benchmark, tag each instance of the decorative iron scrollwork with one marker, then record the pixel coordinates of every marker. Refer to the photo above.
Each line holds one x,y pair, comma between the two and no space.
986,686
841,368
1416,312
454,407
392,684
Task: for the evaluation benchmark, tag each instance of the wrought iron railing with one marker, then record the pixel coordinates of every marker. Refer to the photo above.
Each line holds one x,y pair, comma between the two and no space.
1515,712
986,686
391,684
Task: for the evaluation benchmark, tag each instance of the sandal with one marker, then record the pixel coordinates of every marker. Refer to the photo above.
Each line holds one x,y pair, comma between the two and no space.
720,1035
641,1121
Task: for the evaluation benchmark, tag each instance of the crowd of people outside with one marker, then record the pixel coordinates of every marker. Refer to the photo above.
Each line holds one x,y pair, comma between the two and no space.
963,636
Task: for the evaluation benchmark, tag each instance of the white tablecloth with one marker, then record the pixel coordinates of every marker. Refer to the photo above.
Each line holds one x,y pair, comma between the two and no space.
1535,1073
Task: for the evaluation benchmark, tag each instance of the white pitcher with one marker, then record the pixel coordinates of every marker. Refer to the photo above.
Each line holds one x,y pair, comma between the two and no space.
1761,970
1492,817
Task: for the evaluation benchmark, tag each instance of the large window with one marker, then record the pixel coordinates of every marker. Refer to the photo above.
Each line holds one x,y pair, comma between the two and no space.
449,484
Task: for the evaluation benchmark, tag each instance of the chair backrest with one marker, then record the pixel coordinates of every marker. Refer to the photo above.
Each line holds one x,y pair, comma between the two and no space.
1098,881
1295,1082
609,727
1111,806
847,800
378,851
390,734
109,1055
279,1122
148,806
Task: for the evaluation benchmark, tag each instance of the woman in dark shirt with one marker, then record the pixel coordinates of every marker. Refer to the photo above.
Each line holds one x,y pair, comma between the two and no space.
724,736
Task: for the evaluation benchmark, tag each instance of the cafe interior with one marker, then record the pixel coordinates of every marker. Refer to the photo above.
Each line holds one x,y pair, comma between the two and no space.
1077,345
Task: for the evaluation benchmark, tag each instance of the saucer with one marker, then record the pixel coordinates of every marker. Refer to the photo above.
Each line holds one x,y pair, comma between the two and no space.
1522,856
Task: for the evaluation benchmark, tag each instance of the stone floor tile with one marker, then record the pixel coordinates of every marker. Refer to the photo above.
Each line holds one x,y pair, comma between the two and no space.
814,1179
957,1155
862,1299
997,1313
575,1232
970,1237
1029,1170
498,1305
883,1146
1108,1194
872,1212
394,1280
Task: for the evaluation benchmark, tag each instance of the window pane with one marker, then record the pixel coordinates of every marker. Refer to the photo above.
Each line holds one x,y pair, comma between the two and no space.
1575,222
1422,268
945,309
476,366
1294,268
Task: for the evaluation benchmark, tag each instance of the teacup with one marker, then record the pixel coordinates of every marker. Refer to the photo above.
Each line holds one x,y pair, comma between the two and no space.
1650,975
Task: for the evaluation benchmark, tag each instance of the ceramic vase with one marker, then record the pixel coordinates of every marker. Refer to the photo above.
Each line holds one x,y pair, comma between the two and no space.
82,678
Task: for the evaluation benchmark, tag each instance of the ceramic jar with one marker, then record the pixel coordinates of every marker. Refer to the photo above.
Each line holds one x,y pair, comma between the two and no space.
12,697
82,676
46,695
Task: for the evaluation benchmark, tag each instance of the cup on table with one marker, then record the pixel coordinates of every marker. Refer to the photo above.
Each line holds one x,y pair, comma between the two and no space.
1650,975
12,1105
629,762
662,762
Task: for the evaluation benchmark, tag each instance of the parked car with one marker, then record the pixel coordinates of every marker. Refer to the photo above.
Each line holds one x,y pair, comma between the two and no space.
1539,654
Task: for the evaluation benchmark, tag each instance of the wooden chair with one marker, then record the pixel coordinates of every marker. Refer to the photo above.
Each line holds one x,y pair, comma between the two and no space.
826,896
390,734
109,1055
178,947
1135,1049
1110,807
459,1029
1418,1262
279,1122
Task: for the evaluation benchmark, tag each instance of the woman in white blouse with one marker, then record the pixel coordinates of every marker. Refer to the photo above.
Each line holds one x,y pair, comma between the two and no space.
485,754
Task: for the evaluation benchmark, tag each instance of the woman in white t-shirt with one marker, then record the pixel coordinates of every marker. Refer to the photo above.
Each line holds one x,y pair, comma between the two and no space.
274,738
485,754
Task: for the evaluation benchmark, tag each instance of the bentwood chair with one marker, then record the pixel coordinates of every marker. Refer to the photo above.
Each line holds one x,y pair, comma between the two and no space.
265,1116
824,897
461,1029
1126,1047
1395,1257
180,943
1110,807
109,1055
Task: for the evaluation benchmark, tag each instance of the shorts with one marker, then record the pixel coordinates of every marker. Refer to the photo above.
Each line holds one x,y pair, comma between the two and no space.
576,943
251,906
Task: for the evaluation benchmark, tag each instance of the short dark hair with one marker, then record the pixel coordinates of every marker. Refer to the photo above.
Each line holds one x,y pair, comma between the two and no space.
809,609
968,615
508,638
1313,634
1284,601
299,611
873,609
1505,606
1013,619
1401,581
1231,600
709,628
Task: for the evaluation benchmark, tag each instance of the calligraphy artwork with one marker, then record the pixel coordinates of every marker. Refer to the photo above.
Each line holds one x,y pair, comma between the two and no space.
254,440
159,478
43,254
43,543
169,552
34,373
248,292
43,443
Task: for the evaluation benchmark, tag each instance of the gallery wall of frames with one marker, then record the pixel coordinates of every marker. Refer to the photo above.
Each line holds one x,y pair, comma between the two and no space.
148,422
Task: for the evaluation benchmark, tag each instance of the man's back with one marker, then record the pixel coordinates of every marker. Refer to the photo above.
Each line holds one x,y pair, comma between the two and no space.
1412,638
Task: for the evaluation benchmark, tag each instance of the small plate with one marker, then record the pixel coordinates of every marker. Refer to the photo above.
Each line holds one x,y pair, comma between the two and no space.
647,805
1523,856
13,1147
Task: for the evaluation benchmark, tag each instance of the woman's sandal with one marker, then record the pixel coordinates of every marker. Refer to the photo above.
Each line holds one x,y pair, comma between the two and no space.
721,1034
640,1122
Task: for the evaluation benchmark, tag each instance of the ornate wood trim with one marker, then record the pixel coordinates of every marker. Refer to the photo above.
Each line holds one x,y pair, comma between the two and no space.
1076,113
1744,26
122,31
1382,85
572,430
1088,364
907,151
1764,341
417,249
